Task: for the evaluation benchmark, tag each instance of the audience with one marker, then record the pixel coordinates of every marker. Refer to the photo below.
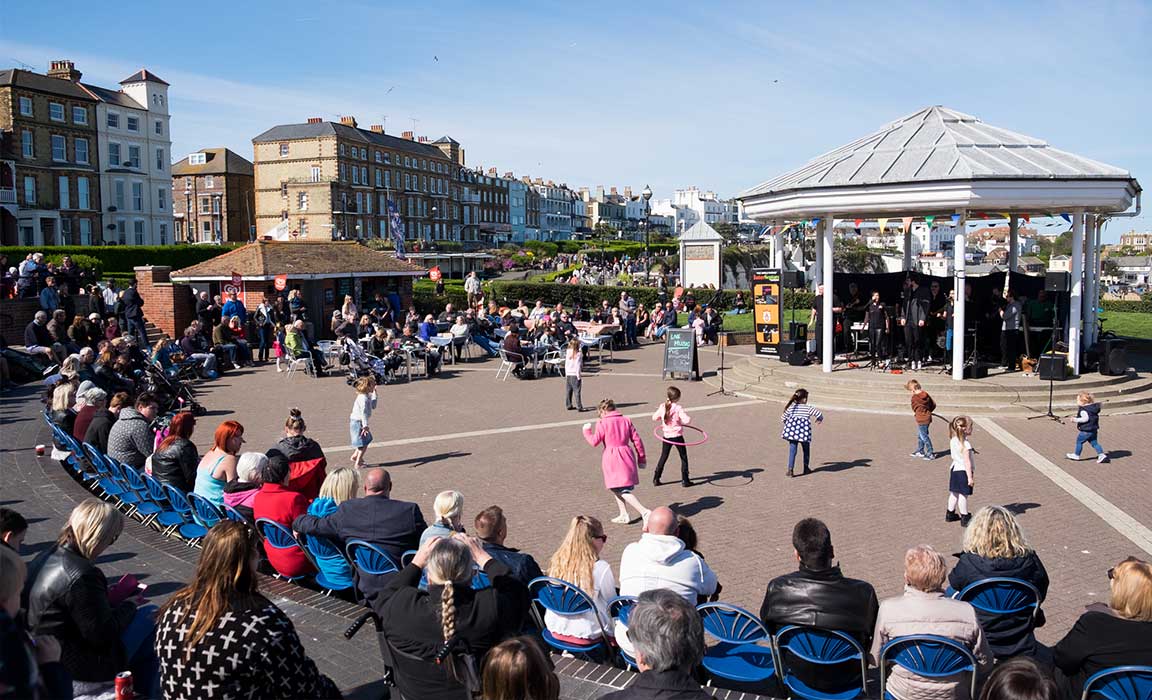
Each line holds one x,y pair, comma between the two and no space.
668,638
218,466
275,502
70,599
103,420
132,439
175,459
924,609
447,509
517,669
93,399
29,668
995,547
219,637
439,635
492,528
240,493
1019,679
578,562
305,458
13,528
339,486
393,525
1107,636
819,595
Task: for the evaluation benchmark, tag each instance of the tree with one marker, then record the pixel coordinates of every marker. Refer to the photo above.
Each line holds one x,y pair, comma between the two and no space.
729,232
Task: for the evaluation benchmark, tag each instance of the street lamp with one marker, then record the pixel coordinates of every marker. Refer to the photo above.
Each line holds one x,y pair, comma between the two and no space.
647,195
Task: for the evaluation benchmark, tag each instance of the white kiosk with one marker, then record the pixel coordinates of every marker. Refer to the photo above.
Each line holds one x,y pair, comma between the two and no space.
700,257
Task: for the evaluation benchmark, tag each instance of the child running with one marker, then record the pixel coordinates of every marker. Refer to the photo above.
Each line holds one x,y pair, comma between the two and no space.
573,366
358,421
797,419
1088,421
618,464
672,420
922,406
961,474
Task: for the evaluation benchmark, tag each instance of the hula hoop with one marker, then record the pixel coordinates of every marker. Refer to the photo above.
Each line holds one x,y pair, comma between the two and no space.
659,433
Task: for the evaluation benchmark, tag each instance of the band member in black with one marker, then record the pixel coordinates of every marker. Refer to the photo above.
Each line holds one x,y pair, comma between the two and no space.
1010,317
937,312
817,311
878,324
915,320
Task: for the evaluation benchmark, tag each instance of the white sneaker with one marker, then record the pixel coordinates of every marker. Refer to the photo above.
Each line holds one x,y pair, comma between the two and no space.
1073,456
1102,458
916,454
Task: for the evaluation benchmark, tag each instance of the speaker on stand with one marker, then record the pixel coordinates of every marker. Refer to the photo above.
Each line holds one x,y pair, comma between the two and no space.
1113,357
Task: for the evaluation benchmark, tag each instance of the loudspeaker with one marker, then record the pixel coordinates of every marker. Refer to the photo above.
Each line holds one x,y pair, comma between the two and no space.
792,279
785,348
1113,357
1057,281
798,358
975,372
1053,367
798,331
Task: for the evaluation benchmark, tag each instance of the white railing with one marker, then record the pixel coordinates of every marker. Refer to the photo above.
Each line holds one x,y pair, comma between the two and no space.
7,195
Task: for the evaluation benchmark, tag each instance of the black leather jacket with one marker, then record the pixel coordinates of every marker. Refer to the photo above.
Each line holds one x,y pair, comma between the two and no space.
68,599
176,465
821,598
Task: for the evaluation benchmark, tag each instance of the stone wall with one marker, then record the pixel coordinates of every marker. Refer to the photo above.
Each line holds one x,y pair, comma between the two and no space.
167,305
15,315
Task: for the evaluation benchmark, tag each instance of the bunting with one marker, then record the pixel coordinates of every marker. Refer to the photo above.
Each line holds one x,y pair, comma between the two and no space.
1066,217
955,219
882,223
907,221
928,220
858,222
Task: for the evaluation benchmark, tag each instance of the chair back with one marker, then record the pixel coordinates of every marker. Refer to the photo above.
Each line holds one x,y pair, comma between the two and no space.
370,558
620,608
732,624
276,535
822,647
204,512
1001,596
407,557
234,515
96,459
559,596
155,489
321,548
928,656
177,500
135,481
1120,683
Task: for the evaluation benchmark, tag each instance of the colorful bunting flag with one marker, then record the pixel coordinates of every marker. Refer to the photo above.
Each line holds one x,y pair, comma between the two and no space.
858,222
955,219
928,220
882,223
907,221
1066,217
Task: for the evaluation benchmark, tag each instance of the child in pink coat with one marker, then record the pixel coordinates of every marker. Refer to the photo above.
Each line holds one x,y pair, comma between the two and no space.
672,418
618,463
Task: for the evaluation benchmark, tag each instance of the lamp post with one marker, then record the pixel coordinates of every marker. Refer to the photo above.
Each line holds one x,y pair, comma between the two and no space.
647,195
187,214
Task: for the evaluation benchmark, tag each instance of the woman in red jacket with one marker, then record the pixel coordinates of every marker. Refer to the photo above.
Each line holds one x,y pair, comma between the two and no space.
276,502
306,459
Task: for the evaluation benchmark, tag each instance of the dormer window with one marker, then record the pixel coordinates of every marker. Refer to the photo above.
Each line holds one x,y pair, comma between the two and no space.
197,158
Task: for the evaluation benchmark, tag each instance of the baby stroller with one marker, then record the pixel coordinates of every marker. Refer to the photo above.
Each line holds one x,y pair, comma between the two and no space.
174,395
358,363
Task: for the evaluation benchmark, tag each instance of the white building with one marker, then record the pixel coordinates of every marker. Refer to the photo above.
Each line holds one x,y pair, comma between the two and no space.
555,211
135,146
691,205
1135,270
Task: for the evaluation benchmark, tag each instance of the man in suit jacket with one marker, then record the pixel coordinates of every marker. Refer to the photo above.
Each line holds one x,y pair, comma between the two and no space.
394,526
492,528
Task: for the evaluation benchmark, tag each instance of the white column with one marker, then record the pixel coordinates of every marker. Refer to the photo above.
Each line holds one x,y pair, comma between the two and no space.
959,245
815,281
1076,303
827,324
907,249
778,249
1091,276
1013,242
1096,277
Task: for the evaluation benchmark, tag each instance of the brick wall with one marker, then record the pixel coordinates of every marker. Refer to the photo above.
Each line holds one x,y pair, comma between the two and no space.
15,315
167,305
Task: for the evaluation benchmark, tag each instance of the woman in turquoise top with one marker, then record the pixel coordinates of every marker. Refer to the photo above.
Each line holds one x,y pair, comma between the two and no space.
218,466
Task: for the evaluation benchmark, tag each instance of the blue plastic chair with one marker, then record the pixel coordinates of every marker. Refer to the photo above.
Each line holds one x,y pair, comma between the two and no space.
407,557
620,608
1120,683
126,497
824,648
277,536
328,556
1001,596
928,656
740,654
188,529
566,599
145,507
370,558
235,515
168,518
204,512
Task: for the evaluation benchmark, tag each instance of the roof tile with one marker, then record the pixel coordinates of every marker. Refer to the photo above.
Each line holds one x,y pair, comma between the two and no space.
299,259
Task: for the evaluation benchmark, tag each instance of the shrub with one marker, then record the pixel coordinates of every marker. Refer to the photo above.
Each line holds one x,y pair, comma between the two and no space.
589,295
86,263
1143,306
120,259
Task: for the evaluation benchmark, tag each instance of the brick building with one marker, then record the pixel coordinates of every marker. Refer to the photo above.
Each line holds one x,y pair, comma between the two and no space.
485,205
214,197
327,180
51,194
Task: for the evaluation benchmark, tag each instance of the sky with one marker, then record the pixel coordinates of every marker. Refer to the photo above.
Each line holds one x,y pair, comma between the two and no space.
719,95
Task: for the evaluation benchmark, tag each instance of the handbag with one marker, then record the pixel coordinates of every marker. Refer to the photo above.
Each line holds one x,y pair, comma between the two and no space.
366,436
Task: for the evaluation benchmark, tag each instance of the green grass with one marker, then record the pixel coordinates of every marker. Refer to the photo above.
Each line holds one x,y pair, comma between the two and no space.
742,323
1133,324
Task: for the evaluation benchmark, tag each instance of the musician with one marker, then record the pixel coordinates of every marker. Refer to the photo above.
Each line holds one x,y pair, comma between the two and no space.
1010,316
817,310
990,322
914,319
878,325
937,315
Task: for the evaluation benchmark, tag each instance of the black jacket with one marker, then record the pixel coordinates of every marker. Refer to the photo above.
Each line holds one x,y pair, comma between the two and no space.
1008,635
68,599
661,685
393,525
523,566
1101,639
176,465
132,304
98,429
37,334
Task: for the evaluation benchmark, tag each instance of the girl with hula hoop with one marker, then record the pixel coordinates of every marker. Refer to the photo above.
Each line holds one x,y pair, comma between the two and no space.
672,419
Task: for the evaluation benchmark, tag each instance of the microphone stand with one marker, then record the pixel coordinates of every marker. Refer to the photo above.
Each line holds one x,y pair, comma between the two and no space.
1051,371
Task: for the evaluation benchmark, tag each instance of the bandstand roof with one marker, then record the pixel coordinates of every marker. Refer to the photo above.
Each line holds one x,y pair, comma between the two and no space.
938,160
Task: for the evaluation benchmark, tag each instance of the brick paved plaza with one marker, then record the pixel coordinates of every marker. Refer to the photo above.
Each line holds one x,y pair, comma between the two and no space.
513,444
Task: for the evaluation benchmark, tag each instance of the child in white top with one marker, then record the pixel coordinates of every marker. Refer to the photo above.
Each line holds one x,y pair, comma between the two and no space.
573,366
672,419
358,429
961,473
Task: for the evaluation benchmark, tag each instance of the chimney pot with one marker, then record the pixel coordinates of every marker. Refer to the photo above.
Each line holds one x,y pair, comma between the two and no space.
406,135
348,121
377,128
613,190
492,172
423,139
509,175
63,70
314,120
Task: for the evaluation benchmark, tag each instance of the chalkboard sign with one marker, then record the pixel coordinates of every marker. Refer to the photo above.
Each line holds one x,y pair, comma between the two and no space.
680,353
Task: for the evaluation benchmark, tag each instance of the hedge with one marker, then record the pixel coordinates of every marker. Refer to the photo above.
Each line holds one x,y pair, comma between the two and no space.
1143,306
590,295
120,259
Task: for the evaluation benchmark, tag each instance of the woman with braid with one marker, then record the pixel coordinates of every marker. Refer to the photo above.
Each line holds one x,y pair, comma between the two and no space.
438,637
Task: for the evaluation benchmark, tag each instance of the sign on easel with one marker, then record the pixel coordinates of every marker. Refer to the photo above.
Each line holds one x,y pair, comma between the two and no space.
680,356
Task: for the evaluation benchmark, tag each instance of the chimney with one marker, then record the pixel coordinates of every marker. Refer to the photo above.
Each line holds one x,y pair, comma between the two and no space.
613,190
509,175
406,135
315,120
492,172
348,121
423,139
377,128
63,70
628,192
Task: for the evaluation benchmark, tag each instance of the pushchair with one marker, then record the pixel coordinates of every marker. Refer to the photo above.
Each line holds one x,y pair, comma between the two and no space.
358,363
174,395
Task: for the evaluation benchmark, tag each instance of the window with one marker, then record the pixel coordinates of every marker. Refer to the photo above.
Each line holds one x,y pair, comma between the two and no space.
26,147
379,177
160,159
315,175
158,127
56,111
162,199
113,120
364,175
85,232
163,234
137,196
29,190
64,191
114,154
205,206
355,175
27,235
209,182
341,149
118,194
407,162
206,228
133,157
197,158
387,179
303,228
133,123
81,146
368,203
407,181
359,202
25,106
79,115
66,231
387,157
302,201
283,150
216,205
343,173
59,148
379,158
138,231
82,197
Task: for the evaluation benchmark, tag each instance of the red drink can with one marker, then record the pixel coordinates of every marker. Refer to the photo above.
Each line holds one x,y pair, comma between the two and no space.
124,686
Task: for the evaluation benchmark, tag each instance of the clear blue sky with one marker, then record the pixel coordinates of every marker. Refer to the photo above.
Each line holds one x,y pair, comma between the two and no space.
672,94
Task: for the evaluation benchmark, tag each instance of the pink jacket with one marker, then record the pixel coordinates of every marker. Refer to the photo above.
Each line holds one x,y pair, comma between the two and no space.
676,421
619,437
